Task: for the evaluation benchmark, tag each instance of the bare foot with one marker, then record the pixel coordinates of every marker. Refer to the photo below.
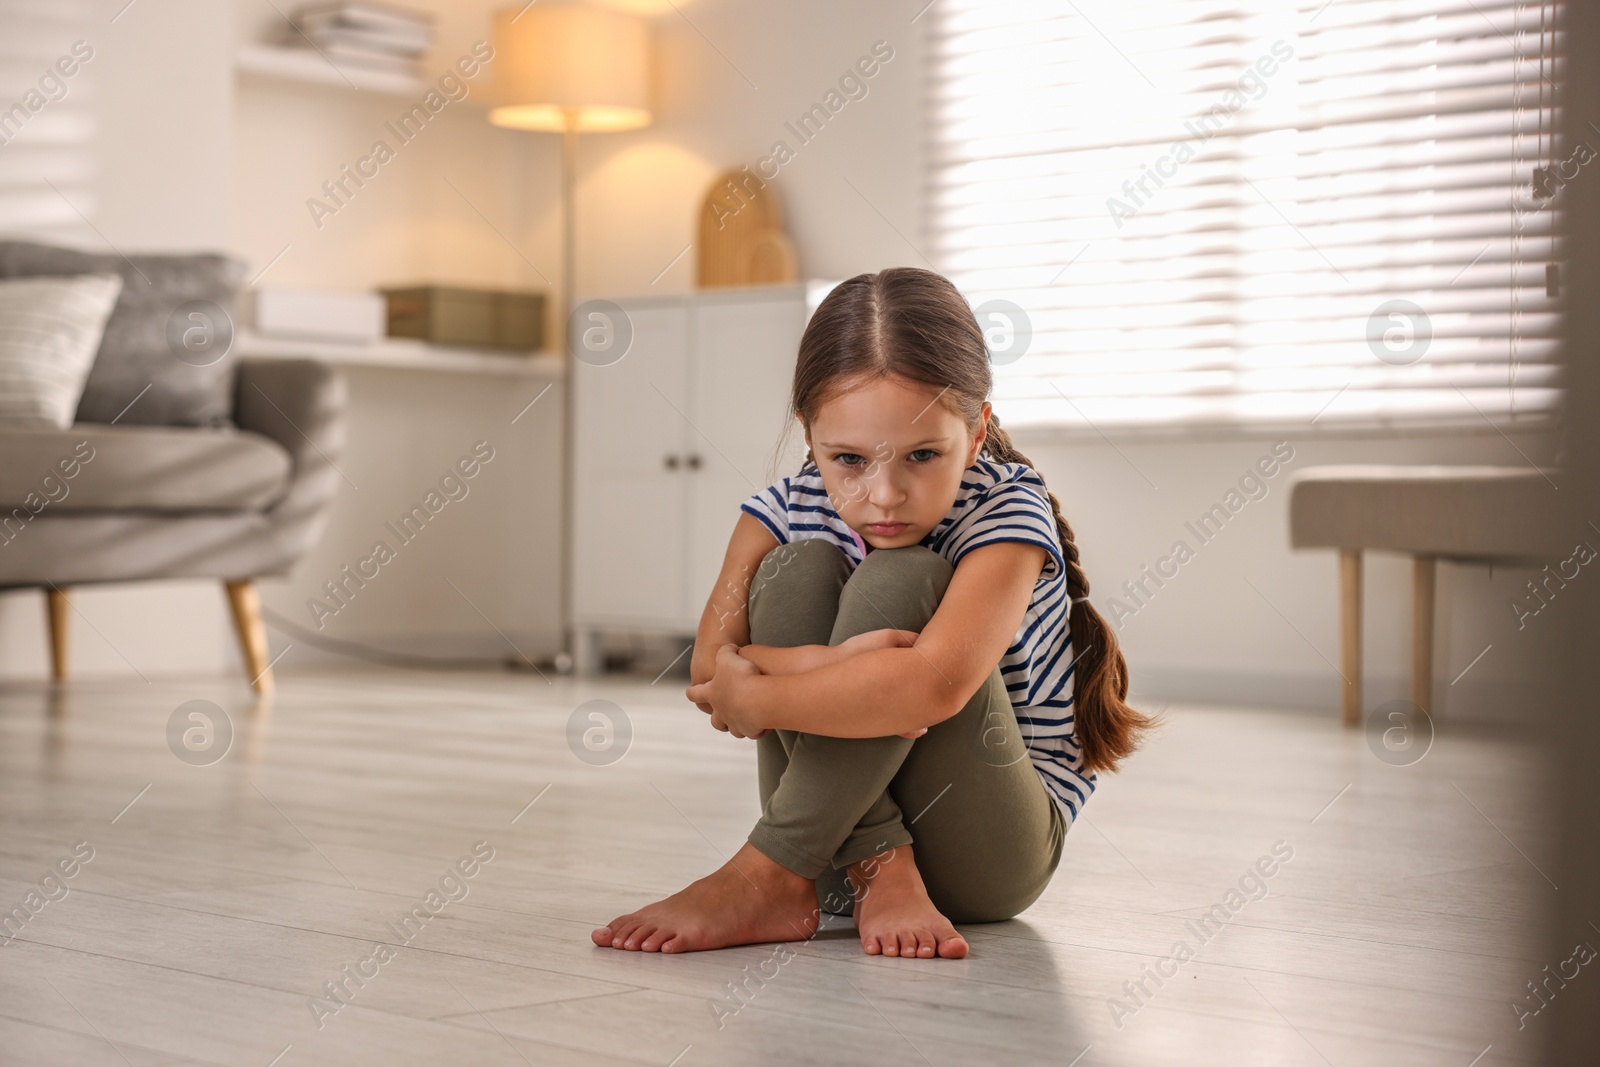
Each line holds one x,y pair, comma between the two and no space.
749,900
893,913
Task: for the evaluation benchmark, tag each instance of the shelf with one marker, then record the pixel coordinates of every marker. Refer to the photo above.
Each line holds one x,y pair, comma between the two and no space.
401,354
308,65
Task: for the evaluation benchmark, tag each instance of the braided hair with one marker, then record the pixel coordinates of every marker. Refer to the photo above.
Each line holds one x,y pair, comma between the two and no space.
914,324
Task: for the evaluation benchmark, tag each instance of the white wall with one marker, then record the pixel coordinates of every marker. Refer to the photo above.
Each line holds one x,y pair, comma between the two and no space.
163,107
728,81
730,74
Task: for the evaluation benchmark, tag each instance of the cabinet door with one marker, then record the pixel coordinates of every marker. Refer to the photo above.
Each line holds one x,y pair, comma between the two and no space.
743,361
630,517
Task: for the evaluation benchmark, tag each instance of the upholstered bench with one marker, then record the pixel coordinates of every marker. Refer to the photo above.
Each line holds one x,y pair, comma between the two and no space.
1463,514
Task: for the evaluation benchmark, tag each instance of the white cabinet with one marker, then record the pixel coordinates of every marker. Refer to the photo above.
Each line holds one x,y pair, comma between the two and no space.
668,441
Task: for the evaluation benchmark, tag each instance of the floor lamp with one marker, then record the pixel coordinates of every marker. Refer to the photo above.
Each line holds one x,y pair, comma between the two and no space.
569,70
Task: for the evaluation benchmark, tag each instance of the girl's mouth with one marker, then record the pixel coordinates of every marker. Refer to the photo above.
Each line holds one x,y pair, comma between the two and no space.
888,529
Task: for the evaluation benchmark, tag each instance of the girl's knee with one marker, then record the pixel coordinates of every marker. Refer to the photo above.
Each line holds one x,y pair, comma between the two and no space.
794,594
894,588
806,561
814,550
914,562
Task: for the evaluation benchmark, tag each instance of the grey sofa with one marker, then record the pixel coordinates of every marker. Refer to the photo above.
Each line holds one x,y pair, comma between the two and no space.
238,498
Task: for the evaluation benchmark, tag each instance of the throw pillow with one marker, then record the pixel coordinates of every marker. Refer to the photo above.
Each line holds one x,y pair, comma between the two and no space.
50,329
152,338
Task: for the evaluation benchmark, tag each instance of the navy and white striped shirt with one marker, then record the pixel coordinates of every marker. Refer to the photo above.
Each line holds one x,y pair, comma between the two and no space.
997,502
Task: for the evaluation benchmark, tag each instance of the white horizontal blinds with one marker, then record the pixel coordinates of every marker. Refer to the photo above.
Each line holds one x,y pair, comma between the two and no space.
46,123
1200,205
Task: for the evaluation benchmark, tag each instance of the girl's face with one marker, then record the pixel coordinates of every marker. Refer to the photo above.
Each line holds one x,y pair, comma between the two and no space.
891,456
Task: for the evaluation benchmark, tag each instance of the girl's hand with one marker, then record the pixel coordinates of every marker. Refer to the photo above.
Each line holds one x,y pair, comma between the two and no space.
703,666
874,640
719,695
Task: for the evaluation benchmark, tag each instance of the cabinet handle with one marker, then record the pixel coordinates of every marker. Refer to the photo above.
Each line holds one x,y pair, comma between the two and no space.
694,461
671,461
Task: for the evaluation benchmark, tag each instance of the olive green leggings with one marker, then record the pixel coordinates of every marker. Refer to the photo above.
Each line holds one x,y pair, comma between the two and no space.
985,833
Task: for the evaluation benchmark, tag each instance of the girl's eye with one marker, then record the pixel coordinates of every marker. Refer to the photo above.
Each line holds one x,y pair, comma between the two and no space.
922,455
850,459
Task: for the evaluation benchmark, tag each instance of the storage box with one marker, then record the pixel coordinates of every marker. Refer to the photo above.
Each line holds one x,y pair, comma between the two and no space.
323,314
478,318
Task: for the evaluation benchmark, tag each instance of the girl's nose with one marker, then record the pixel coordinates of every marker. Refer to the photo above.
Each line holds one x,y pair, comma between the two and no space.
885,492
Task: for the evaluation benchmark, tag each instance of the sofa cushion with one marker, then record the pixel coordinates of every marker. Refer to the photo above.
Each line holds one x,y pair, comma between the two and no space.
143,345
50,329
89,468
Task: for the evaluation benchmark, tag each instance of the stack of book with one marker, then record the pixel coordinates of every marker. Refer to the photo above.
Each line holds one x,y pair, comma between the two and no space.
364,34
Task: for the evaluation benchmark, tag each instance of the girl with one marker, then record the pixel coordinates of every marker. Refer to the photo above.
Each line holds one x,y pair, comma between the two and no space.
929,688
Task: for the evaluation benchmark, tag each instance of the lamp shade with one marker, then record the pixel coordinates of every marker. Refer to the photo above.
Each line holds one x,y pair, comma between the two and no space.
555,65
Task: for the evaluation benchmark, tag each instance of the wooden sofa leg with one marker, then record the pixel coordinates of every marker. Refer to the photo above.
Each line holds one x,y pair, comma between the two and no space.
245,602
1350,632
1424,570
57,608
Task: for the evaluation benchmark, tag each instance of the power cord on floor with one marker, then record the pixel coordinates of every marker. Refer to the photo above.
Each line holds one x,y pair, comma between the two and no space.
381,656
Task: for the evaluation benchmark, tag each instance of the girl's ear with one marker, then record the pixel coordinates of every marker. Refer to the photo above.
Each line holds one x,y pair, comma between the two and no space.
982,436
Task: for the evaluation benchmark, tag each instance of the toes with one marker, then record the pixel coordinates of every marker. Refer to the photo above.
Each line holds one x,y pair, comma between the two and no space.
621,930
610,935
871,946
953,947
638,935
650,938
926,947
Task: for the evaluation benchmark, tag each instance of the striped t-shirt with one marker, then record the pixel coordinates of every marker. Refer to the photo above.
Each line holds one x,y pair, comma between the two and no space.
997,502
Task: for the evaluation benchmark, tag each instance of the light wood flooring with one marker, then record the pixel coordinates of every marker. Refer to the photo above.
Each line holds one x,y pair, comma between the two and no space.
220,898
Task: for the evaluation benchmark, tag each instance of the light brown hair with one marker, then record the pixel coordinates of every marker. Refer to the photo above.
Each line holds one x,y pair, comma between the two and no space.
914,324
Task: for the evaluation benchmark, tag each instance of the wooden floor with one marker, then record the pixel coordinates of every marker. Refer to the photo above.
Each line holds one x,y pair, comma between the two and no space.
220,898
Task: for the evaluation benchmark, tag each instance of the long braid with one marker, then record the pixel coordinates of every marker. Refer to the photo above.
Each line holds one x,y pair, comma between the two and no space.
1106,726
1000,446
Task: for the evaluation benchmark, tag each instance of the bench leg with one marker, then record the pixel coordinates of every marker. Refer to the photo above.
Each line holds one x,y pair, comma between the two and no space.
57,609
1423,572
1350,632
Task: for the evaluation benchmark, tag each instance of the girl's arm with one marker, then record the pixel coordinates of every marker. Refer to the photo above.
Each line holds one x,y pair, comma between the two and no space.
794,660
726,619
799,659
893,690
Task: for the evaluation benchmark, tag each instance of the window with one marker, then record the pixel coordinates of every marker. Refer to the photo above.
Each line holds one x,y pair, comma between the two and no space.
1254,212
46,127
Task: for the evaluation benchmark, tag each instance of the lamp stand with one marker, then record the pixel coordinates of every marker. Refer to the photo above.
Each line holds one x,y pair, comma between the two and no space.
567,658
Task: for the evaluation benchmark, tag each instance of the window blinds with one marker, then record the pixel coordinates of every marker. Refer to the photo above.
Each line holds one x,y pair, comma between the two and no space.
1253,212
46,124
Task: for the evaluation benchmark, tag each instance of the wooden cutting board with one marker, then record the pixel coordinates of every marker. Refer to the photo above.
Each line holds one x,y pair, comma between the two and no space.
741,238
